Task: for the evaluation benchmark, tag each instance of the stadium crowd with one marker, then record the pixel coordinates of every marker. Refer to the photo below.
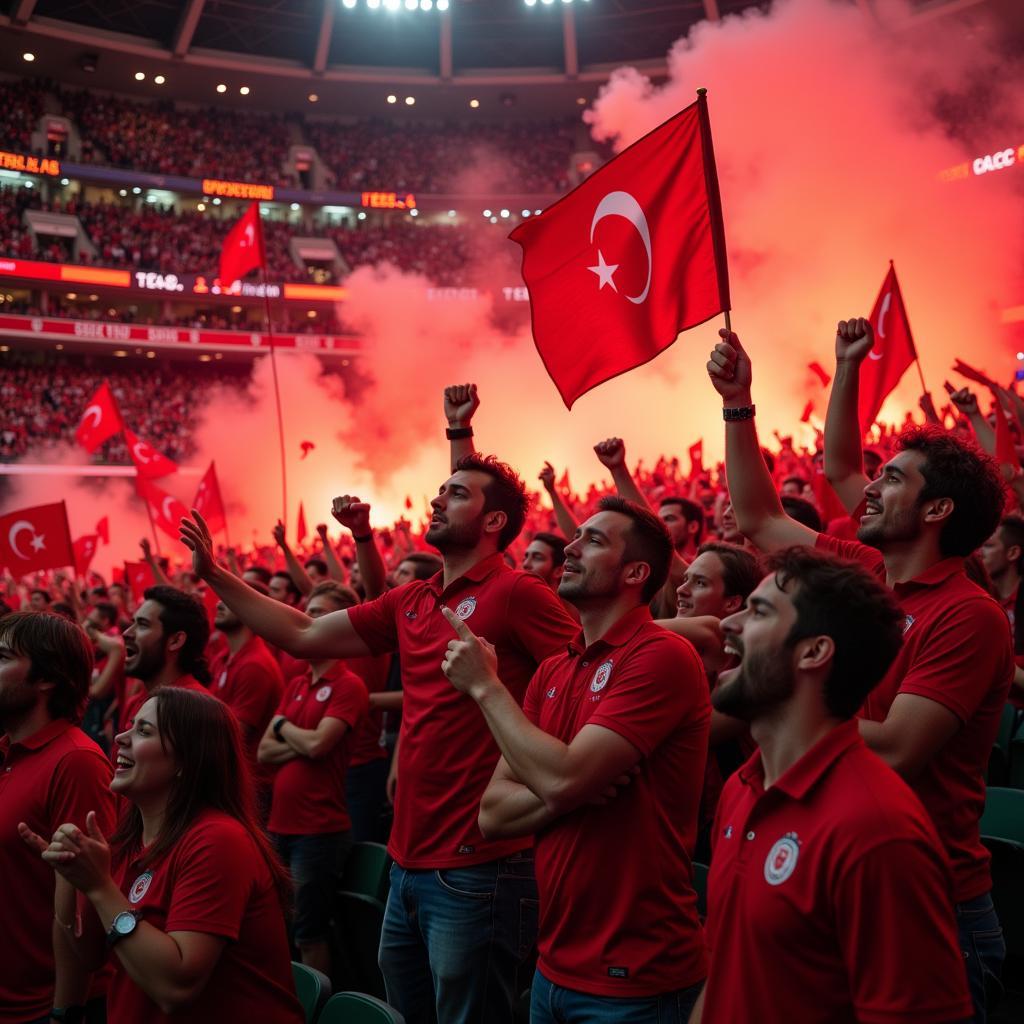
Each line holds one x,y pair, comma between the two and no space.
791,667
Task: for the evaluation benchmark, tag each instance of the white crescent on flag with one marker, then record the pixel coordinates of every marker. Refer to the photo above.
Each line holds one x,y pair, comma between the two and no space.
93,411
12,536
139,449
622,204
169,516
880,326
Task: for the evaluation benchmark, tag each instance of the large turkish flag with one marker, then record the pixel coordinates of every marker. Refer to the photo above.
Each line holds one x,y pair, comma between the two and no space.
627,260
100,421
36,538
208,501
165,510
243,248
891,354
149,463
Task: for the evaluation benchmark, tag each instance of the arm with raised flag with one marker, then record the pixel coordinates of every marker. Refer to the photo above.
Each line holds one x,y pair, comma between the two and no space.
844,433
460,404
330,636
966,403
755,501
159,576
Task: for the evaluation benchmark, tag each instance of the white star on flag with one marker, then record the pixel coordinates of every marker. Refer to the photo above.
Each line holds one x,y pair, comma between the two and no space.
604,272
37,541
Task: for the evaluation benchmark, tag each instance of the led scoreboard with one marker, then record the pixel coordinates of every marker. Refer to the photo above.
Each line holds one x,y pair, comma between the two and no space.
388,200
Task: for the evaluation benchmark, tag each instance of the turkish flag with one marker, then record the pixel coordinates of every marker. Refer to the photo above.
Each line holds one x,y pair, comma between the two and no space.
138,576
243,248
148,461
166,510
300,528
100,421
208,501
36,538
892,353
697,457
103,530
805,416
627,260
84,548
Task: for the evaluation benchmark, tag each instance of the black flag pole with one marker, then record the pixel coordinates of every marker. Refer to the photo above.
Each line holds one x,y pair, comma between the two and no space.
277,386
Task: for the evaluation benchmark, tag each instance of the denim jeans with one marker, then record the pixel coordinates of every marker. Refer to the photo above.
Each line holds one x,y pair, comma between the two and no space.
981,942
453,939
315,864
552,1004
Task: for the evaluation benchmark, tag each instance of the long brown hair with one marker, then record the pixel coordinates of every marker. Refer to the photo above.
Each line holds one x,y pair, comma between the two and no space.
206,743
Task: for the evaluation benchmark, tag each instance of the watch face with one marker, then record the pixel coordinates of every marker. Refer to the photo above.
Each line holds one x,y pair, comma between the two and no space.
124,923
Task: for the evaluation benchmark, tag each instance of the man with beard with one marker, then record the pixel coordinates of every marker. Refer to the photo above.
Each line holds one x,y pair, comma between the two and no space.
829,895
935,715
545,556
625,707
164,645
457,921
50,773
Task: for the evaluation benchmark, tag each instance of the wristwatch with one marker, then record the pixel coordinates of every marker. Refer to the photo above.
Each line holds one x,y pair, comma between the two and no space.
278,726
122,926
71,1014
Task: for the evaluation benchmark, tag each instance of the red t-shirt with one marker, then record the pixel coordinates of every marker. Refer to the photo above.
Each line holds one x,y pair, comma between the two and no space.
366,745
214,881
446,753
250,683
309,796
137,699
829,898
57,775
957,651
618,912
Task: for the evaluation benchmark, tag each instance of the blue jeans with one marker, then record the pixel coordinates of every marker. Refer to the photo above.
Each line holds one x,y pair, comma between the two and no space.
552,1004
315,864
981,942
454,938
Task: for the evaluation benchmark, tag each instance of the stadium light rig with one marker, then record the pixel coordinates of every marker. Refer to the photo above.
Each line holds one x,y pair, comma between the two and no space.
393,6
548,3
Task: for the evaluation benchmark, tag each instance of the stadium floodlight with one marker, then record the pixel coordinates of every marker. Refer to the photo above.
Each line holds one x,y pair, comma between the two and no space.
65,181
414,213
136,191
361,215
222,87
29,57
426,5
123,192
487,213
391,5
410,101
29,184
412,5
451,213
244,90
348,3
140,76
373,4
494,220
392,98
295,206
474,104
505,214
442,5
526,213
216,201
531,3
159,80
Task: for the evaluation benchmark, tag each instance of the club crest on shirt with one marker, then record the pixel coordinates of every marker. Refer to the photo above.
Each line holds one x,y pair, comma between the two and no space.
601,677
140,887
323,693
781,860
222,682
551,692
907,623
466,608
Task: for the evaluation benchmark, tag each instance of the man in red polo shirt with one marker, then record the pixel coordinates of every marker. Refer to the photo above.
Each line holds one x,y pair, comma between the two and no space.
1003,557
50,772
626,705
829,897
164,645
457,922
936,714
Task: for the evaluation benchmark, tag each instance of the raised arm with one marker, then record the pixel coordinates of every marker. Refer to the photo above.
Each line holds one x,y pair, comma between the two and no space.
844,433
354,515
460,403
154,566
335,570
966,403
113,648
612,455
331,636
298,574
755,502
565,519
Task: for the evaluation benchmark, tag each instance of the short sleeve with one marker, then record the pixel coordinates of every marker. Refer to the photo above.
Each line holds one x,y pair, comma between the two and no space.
215,875
531,699
661,688
374,621
965,651
538,619
852,551
894,922
81,783
349,700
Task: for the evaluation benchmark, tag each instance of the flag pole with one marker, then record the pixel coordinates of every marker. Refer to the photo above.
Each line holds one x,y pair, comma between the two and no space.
152,528
277,390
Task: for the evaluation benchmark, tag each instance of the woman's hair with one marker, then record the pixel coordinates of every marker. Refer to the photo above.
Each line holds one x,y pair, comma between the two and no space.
201,734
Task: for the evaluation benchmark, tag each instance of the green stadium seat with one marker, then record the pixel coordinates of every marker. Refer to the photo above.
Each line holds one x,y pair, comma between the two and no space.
700,883
357,924
998,773
1004,815
1002,831
358,1008
367,871
1016,780
313,989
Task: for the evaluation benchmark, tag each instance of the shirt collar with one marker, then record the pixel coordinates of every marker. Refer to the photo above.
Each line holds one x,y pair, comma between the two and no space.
618,636
934,574
476,573
800,777
39,738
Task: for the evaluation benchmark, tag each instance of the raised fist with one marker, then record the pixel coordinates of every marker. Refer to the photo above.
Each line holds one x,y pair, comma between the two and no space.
729,368
547,477
278,533
854,340
352,513
611,453
460,403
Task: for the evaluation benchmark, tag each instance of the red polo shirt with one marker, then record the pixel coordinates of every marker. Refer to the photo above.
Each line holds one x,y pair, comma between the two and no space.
957,651
446,753
250,683
137,699
829,898
55,776
214,881
309,796
618,912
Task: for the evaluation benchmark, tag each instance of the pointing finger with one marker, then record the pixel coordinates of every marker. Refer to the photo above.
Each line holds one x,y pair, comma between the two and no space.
464,632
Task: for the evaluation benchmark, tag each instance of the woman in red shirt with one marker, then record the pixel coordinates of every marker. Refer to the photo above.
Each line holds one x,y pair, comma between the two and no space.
188,893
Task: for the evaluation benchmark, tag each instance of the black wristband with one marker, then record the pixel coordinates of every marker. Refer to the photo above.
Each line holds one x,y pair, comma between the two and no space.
745,412
278,725
362,540
71,1014
458,433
